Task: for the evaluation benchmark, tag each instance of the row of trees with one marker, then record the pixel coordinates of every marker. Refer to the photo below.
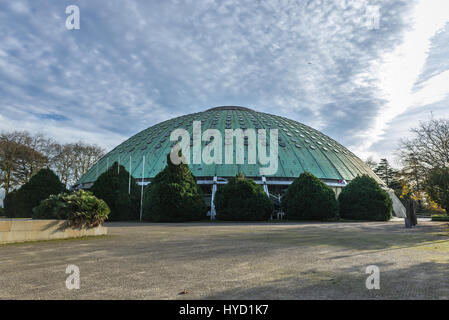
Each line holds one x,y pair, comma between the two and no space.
174,196
19,203
309,198
22,155
424,160
44,196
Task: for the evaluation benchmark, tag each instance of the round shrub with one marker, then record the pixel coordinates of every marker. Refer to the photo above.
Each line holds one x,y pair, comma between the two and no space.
173,196
9,204
80,208
113,187
309,198
364,199
2,212
20,203
242,199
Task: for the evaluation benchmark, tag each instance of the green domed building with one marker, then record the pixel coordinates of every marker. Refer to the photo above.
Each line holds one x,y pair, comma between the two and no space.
300,148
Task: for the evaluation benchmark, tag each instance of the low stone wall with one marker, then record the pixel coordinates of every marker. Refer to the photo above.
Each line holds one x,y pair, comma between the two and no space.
20,230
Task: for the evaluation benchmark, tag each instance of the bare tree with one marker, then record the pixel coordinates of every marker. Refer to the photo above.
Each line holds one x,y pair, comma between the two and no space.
413,173
70,161
21,156
430,146
33,156
425,154
371,163
63,161
9,149
86,156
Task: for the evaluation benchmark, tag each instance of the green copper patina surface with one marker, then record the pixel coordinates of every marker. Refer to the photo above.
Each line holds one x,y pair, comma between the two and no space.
301,148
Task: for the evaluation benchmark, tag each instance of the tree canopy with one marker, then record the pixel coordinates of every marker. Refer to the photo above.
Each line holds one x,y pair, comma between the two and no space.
20,203
22,155
241,199
364,199
123,198
425,161
386,172
437,186
309,198
173,196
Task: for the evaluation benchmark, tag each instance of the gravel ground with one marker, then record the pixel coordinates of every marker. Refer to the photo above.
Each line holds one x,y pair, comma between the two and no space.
235,261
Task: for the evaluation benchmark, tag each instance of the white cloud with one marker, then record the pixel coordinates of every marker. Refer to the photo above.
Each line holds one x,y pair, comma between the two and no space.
135,64
433,90
398,71
19,7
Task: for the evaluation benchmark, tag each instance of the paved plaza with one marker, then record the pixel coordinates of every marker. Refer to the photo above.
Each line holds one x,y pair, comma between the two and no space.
235,261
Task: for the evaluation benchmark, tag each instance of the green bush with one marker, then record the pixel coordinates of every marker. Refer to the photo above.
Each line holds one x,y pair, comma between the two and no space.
173,196
8,204
437,186
431,209
364,199
242,199
2,212
309,198
79,208
20,203
113,187
440,217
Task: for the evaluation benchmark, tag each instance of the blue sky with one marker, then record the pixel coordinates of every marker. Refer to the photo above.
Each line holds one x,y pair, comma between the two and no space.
135,63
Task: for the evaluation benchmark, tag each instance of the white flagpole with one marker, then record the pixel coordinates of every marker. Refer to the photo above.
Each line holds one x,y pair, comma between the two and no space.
141,192
129,183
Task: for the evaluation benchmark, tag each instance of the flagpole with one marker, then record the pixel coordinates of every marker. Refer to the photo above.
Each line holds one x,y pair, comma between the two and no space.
129,183
141,192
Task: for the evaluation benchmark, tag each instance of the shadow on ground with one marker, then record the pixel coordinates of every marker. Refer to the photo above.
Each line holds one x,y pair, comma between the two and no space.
235,261
427,280
210,240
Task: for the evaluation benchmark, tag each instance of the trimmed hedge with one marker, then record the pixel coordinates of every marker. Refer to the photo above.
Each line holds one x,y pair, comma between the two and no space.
242,199
364,199
173,196
2,212
113,187
20,203
79,208
309,198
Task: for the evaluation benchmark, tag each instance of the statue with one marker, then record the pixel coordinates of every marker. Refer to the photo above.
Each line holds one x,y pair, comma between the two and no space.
410,209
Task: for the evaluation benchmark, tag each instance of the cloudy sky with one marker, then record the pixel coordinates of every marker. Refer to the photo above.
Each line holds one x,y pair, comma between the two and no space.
363,72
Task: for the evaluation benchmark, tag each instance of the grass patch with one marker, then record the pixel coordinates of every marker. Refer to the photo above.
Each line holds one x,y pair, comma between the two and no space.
440,217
